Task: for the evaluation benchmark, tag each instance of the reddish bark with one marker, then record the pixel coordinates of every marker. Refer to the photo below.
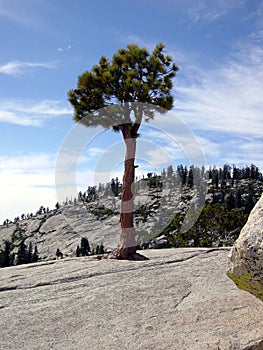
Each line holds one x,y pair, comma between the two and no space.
127,249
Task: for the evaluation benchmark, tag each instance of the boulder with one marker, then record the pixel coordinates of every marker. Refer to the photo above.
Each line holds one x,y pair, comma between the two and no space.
159,242
245,263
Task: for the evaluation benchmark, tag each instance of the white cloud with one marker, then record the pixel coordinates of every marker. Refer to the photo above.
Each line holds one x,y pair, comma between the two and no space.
68,47
228,98
135,39
245,152
158,157
25,13
24,199
206,11
27,162
30,113
9,14
26,182
225,106
9,117
95,151
17,67
210,149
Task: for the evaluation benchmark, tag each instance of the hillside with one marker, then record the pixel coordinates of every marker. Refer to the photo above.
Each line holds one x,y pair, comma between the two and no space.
162,203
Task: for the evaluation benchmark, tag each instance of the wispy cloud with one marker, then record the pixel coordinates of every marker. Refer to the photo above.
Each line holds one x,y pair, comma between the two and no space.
26,182
228,98
95,151
159,157
29,180
63,49
17,67
30,113
12,118
26,14
225,106
206,11
25,163
8,13
135,39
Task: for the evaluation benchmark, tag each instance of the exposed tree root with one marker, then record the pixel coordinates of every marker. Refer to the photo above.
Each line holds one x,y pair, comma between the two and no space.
134,257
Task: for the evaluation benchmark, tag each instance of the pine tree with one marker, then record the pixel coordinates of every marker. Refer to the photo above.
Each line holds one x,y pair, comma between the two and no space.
7,254
170,171
215,177
101,249
113,190
237,174
238,199
190,179
22,253
35,255
139,83
117,185
84,247
78,251
163,173
59,254
30,253
249,204
246,172
226,173
230,201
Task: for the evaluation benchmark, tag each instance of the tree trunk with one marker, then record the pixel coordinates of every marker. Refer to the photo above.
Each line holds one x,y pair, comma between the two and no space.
127,239
127,249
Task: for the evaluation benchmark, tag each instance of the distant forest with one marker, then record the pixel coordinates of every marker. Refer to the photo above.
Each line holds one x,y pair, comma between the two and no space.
231,194
219,179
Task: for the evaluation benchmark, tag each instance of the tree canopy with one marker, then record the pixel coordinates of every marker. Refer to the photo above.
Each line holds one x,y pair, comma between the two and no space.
133,75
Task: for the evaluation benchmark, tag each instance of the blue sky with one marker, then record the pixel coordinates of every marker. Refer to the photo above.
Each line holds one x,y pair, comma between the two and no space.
46,44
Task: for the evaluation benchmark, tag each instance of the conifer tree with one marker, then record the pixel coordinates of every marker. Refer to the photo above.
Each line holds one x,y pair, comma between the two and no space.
190,179
134,80
6,260
78,251
22,253
35,254
238,199
101,249
230,201
30,253
84,247
113,186
170,171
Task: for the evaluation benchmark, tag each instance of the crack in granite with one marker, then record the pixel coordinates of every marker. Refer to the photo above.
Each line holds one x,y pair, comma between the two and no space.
97,274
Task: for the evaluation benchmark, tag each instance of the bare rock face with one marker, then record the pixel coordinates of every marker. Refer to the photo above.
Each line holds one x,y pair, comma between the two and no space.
245,263
179,299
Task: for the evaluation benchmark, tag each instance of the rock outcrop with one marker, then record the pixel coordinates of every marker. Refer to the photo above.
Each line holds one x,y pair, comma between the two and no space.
245,264
98,220
180,299
161,208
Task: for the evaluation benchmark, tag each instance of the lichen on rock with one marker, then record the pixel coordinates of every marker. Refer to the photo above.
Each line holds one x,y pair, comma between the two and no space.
245,282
